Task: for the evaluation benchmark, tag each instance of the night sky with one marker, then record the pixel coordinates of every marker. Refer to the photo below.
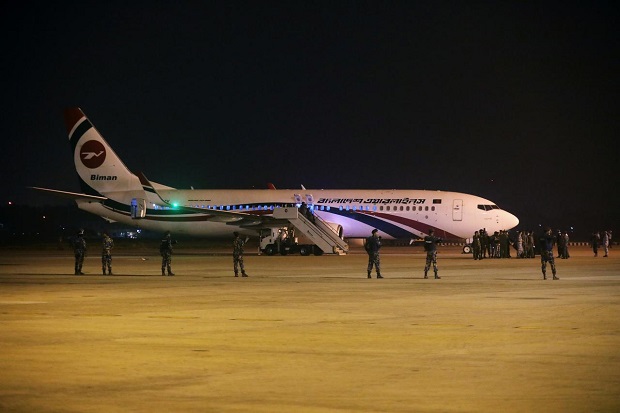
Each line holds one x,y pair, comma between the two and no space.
516,102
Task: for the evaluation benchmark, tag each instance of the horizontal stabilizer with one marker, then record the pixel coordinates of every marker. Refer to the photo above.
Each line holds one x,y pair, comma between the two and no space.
71,195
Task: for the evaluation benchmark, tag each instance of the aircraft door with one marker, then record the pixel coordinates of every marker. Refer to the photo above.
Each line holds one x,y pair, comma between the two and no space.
138,208
457,210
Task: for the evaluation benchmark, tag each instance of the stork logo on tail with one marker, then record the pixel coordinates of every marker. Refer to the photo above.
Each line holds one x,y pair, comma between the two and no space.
92,154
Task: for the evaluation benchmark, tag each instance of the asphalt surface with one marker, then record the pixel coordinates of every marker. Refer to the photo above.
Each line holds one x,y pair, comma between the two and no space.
309,334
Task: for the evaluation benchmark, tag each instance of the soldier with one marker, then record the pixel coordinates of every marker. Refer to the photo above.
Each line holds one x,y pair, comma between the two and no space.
238,254
594,240
373,244
165,249
560,243
106,253
565,240
530,244
494,245
430,246
504,244
606,238
519,243
79,250
546,253
484,242
476,247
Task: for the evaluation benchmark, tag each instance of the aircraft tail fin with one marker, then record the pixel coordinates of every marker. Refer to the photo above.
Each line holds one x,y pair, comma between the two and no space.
100,170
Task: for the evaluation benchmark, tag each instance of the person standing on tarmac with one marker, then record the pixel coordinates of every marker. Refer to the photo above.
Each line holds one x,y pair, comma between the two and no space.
595,239
606,238
238,244
430,246
165,249
373,244
79,250
546,253
476,246
564,253
106,253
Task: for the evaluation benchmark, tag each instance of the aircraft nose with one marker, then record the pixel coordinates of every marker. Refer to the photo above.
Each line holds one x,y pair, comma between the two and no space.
511,220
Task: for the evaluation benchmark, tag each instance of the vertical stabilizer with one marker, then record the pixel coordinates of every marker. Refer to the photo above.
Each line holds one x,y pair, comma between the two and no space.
100,170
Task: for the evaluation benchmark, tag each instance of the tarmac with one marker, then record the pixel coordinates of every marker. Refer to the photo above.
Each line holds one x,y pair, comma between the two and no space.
309,334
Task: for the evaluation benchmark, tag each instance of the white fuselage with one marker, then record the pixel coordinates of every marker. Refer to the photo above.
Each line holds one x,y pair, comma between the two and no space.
395,213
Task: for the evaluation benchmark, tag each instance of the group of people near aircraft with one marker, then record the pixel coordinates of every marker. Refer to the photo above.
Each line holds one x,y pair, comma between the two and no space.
483,245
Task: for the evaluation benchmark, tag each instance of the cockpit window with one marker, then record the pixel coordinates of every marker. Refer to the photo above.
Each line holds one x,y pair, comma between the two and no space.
487,207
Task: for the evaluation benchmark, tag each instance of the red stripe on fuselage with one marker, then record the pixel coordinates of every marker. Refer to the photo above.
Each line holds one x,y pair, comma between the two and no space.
417,225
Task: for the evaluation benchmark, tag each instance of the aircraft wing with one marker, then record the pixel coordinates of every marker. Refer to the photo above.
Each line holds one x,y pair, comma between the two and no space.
71,195
240,219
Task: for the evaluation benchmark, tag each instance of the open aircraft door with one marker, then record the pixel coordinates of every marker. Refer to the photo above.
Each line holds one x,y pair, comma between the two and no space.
138,208
457,210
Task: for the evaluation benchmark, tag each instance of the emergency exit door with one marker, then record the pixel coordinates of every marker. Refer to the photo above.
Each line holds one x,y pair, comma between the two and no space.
457,210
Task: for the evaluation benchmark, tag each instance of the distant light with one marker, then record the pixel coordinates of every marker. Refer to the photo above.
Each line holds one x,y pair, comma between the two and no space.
10,203
43,216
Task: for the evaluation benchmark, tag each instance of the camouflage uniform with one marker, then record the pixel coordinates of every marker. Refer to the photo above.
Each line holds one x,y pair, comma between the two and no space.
606,243
595,240
530,244
238,255
564,254
430,246
165,249
519,242
79,250
476,246
106,254
546,254
373,244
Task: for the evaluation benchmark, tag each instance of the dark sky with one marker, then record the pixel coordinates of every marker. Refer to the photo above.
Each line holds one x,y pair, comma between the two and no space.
516,102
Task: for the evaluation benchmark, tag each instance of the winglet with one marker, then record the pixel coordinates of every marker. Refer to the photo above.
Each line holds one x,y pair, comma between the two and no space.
148,186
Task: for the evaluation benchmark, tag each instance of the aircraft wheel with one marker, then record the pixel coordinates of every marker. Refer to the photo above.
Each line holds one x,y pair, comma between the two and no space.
270,249
305,250
467,249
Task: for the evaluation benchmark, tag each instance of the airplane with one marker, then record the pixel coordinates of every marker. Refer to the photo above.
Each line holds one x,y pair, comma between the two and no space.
109,189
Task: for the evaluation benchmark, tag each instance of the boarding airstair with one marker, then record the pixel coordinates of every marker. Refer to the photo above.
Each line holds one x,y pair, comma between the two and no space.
315,229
